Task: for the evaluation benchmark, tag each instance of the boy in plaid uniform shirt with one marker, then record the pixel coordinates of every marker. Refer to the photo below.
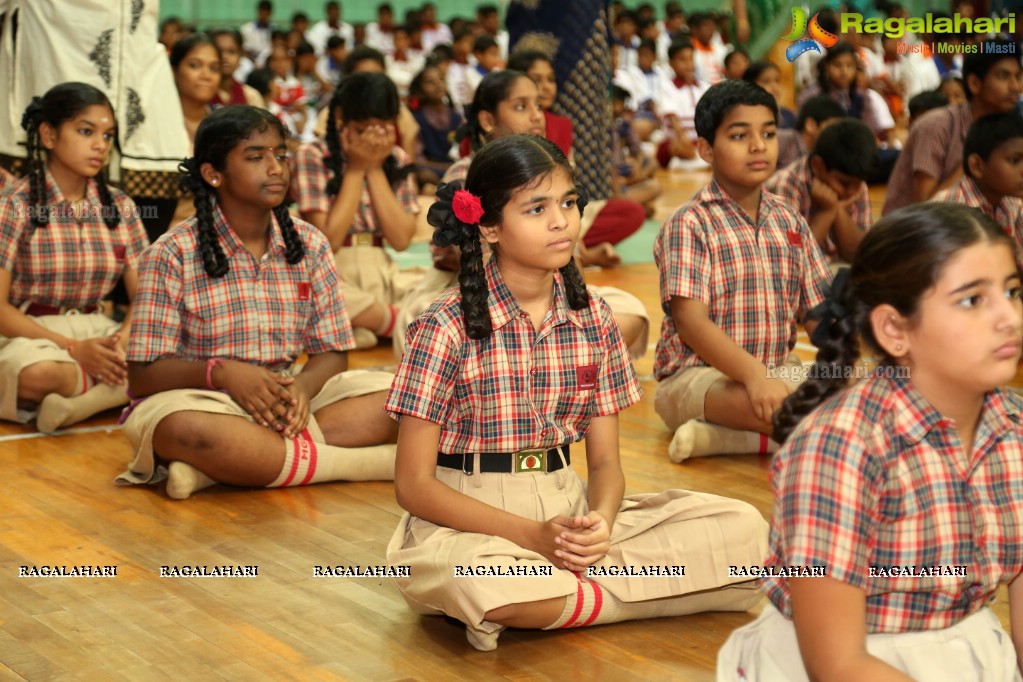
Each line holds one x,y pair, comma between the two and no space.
899,497
992,173
737,268
828,186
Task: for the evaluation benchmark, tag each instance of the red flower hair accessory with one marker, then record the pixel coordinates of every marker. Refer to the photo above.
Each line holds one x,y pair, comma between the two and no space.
467,207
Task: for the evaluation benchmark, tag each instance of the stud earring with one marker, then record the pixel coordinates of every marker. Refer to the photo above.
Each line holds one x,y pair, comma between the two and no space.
216,182
898,348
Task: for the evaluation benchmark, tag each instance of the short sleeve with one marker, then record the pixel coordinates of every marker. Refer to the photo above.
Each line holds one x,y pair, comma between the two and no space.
816,272
617,386
424,382
407,194
683,259
826,502
311,179
931,148
156,327
135,231
13,220
329,328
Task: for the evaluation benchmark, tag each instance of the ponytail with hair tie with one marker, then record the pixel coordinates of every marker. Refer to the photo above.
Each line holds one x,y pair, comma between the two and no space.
832,310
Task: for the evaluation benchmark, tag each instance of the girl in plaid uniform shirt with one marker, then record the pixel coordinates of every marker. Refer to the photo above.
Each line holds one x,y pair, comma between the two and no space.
498,378
228,301
904,489
506,102
357,188
66,239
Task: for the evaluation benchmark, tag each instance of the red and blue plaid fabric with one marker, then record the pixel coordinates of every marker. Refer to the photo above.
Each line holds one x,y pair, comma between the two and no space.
310,176
756,280
264,312
876,477
793,185
458,171
519,389
1008,213
76,260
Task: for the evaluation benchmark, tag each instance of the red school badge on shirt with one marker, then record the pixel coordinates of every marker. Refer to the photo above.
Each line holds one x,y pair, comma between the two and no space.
795,238
303,291
585,377
119,252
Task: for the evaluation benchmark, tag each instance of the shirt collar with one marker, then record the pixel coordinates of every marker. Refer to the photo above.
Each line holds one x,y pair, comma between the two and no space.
503,306
915,417
57,198
234,244
972,192
713,193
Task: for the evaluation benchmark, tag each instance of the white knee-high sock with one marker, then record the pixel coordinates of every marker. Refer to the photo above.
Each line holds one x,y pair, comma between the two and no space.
699,439
592,605
306,462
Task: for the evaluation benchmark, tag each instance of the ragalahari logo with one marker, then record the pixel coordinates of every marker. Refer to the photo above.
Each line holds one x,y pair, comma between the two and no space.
818,36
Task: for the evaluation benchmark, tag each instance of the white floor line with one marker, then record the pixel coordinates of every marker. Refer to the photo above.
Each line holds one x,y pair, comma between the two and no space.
109,428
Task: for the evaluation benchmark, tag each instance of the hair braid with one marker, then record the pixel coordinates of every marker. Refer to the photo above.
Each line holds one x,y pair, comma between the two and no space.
575,287
111,213
333,160
472,283
214,260
294,250
36,169
829,375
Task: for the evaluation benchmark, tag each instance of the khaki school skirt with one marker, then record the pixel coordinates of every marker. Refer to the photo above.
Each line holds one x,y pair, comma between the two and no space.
368,276
705,533
146,415
18,353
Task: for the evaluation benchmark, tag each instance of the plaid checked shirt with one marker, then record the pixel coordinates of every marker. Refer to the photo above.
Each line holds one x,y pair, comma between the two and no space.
1008,213
755,279
458,171
263,312
73,262
934,147
310,176
518,389
793,184
877,477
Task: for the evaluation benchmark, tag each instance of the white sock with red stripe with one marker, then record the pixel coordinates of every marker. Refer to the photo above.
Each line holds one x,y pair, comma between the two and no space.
387,325
699,439
306,462
592,605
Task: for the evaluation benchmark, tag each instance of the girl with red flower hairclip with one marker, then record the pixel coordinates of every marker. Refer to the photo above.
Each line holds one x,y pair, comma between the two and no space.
500,376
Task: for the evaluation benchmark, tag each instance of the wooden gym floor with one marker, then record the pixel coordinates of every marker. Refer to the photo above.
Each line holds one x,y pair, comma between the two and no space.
63,509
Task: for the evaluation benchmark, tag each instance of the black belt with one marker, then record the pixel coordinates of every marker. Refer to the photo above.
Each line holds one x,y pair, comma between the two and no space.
508,462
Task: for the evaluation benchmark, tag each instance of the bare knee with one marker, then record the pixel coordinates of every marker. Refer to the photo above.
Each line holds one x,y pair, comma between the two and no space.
181,436
358,422
37,381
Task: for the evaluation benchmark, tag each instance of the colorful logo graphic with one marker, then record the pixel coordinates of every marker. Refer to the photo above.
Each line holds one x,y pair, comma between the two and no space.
818,36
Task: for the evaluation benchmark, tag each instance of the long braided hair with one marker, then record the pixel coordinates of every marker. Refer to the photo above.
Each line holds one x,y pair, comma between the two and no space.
60,104
499,170
218,134
360,97
899,259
